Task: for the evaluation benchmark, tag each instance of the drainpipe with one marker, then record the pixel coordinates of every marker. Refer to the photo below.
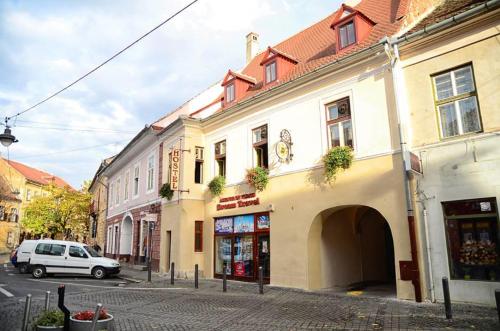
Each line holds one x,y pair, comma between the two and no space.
429,259
392,52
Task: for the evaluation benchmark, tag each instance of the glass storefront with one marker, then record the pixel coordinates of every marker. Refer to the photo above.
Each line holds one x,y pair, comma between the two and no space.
242,245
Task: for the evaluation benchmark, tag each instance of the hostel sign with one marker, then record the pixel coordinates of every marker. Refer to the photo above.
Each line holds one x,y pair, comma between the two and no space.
238,201
174,174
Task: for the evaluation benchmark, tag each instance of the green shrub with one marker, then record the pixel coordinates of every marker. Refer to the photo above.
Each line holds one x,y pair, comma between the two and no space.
50,318
216,185
337,158
258,177
166,191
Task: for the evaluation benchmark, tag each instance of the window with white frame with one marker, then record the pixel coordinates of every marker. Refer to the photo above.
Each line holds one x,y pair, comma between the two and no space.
339,124
28,195
230,95
260,147
111,194
456,102
271,72
136,181
151,171
117,192
126,186
110,238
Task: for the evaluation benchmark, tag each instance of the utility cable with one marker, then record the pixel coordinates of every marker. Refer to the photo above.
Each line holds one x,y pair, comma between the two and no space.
103,63
91,130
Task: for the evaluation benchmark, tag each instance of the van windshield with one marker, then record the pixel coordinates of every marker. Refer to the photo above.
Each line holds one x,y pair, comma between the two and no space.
91,251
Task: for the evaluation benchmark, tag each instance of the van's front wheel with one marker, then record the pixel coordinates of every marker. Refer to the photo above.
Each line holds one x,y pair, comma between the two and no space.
99,273
38,271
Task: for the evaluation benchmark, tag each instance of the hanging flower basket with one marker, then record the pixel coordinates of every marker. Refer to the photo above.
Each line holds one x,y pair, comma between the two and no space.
258,178
216,185
337,158
166,191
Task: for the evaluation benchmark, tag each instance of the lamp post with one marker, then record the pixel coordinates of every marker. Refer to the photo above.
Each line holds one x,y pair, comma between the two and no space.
6,138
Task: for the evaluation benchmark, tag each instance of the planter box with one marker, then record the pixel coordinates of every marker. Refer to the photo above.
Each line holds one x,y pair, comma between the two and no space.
51,328
77,325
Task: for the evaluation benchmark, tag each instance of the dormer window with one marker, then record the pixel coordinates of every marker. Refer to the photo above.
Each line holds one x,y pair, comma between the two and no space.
271,72
230,93
347,34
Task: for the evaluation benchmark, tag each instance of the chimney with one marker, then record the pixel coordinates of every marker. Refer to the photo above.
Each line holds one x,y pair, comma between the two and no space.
252,45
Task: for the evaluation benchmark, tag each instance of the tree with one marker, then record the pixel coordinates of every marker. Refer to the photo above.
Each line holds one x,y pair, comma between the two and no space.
63,211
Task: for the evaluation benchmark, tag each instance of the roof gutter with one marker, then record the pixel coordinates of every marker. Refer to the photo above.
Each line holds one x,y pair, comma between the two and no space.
456,19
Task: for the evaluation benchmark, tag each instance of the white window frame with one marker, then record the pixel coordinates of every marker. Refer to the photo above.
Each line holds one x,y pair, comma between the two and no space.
150,175
231,88
111,195
137,169
108,241
117,191
28,195
126,186
271,72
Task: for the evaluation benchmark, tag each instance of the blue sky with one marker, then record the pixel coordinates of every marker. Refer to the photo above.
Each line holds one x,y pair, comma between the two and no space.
46,44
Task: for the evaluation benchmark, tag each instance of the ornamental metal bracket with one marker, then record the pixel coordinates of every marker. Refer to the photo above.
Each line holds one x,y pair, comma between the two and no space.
284,146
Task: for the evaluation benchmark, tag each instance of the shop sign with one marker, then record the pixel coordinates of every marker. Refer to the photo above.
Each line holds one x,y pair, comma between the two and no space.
243,224
263,222
174,176
284,147
224,225
412,163
238,201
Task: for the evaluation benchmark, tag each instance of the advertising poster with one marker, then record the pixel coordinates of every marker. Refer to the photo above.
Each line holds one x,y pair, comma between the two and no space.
263,222
239,269
243,224
224,225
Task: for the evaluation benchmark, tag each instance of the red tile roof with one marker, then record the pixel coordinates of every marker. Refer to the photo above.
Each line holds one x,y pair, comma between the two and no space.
37,176
315,46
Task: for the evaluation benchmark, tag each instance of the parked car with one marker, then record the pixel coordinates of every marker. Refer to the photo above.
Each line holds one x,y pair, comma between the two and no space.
68,257
21,257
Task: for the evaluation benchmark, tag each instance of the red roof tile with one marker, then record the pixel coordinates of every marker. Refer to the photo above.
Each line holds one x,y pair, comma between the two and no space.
315,46
37,176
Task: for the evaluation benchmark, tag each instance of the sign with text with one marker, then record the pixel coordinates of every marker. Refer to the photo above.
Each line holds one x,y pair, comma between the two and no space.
174,174
238,201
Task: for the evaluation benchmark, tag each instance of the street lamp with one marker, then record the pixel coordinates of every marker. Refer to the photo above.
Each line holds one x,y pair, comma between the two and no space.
6,138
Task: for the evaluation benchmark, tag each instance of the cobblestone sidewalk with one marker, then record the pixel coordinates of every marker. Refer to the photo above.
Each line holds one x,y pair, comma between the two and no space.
242,308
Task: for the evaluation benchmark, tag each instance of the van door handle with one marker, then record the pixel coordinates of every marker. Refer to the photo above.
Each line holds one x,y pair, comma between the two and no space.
65,257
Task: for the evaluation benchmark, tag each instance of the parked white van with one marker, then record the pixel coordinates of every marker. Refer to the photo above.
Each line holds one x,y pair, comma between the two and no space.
23,255
61,257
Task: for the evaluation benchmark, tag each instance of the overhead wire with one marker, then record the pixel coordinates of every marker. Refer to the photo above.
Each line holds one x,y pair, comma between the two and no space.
103,63
90,130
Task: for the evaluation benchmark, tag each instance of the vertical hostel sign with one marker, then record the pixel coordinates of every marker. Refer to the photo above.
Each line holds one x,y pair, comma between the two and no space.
174,174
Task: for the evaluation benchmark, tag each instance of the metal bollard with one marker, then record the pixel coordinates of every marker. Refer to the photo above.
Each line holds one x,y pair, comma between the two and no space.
224,280
497,299
47,300
27,311
96,317
172,273
261,280
64,309
195,276
446,295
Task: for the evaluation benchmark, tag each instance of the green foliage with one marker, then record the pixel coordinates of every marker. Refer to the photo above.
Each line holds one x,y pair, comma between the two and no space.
63,211
337,158
166,191
258,177
50,318
216,185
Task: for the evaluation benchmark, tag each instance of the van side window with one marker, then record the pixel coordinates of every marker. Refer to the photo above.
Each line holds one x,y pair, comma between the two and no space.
50,249
75,251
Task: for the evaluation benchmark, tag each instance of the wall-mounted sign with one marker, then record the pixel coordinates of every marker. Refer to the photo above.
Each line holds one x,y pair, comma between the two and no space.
284,147
174,175
224,225
238,201
412,163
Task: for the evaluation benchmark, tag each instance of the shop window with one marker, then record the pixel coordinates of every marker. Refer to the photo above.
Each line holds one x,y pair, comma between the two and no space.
339,124
473,237
198,236
198,165
456,102
271,72
220,158
260,146
230,93
347,34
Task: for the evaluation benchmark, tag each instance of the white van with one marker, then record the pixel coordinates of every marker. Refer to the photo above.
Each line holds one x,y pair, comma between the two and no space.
61,257
23,255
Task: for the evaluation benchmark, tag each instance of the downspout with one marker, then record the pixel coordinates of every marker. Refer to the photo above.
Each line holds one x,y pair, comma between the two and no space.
393,55
429,259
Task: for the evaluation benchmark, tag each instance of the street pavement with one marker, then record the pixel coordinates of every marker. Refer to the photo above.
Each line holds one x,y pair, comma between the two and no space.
138,305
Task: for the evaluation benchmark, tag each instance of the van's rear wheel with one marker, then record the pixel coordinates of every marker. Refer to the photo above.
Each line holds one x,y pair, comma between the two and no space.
99,273
23,268
38,271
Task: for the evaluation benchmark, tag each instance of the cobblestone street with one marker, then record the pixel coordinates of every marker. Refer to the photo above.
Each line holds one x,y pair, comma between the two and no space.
165,307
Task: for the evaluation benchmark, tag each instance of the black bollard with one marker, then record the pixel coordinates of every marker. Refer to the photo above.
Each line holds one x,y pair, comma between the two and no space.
195,276
172,273
497,299
224,280
60,304
261,280
446,295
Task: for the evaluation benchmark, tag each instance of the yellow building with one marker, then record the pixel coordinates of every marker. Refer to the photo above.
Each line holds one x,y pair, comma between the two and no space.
9,226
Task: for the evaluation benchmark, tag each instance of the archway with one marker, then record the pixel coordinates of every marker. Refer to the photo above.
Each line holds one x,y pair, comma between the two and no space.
355,251
126,237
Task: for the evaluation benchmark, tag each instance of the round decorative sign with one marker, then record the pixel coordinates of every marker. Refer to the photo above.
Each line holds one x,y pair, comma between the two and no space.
283,151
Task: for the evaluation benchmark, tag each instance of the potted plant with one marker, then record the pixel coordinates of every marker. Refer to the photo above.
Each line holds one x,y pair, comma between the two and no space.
258,178
82,320
166,191
50,320
337,158
216,185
